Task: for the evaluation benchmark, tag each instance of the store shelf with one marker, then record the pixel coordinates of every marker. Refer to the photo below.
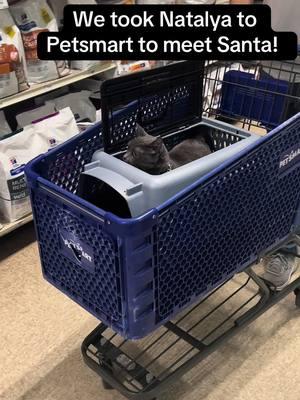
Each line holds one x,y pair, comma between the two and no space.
7,228
39,89
42,88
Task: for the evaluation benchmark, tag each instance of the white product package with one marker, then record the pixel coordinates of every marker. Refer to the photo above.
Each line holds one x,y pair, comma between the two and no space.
12,58
56,129
132,66
83,65
30,116
33,17
4,127
58,7
3,4
92,85
80,104
16,151
41,100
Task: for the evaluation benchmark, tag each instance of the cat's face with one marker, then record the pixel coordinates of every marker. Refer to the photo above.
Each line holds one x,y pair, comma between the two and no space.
147,153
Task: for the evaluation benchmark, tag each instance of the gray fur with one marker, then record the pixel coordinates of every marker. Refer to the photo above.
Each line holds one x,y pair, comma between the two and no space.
149,153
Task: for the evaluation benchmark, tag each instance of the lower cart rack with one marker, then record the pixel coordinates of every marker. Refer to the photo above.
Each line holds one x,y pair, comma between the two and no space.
145,368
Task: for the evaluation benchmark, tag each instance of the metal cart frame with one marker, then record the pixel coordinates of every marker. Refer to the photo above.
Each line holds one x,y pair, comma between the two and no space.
124,366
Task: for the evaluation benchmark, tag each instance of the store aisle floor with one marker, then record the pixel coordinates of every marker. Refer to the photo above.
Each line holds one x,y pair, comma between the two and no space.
41,331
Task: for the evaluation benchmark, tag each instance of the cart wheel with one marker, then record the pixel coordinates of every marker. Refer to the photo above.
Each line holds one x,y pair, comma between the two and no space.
297,294
106,385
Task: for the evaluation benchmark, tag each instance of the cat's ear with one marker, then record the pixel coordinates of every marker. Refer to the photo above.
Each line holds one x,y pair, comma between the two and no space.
157,143
140,131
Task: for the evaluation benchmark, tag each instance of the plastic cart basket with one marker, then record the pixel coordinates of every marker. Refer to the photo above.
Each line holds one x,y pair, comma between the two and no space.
261,99
135,274
263,94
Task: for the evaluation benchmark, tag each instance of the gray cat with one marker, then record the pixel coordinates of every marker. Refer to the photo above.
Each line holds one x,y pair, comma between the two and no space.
149,153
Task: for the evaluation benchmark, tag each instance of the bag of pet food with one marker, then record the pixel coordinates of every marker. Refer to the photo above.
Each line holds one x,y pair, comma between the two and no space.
58,7
128,67
42,99
93,85
4,127
58,10
12,59
80,104
16,151
27,117
33,17
57,128
83,65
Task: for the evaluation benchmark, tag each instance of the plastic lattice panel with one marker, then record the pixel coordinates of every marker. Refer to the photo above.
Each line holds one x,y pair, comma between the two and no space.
98,291
180,93
223,139
157,107
225,224
153,108
123,126
65,170
151,112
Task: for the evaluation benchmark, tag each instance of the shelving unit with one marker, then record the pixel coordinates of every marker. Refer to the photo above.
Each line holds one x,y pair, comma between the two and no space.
42,88
37,90
9,227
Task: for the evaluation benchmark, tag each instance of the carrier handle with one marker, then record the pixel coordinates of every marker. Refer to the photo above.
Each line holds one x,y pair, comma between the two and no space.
118,182
150,80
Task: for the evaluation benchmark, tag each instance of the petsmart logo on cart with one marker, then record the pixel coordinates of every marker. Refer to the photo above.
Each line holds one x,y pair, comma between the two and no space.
76,247
289,158
76,250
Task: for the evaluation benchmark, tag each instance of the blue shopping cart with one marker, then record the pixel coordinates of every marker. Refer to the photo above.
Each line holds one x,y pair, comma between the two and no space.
135,274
